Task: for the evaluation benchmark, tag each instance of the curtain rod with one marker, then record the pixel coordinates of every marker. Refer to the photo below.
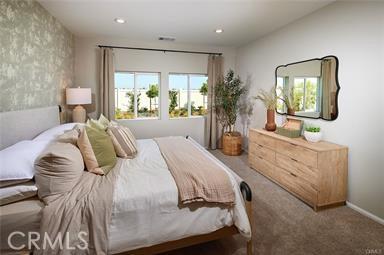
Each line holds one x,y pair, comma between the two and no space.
163,50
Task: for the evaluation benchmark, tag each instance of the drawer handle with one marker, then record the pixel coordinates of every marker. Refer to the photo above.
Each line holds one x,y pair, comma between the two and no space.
294,159
261,146
293,174
293,144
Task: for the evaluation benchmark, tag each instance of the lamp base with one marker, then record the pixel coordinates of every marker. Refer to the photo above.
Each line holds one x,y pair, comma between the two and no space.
79,114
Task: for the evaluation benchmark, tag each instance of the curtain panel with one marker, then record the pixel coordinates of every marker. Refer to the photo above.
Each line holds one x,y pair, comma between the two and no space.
215,73
107,83
327,79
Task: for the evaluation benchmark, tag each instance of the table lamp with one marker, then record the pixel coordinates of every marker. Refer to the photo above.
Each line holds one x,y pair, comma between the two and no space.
78,96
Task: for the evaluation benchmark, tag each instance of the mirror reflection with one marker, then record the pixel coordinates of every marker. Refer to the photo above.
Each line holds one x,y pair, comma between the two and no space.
308,88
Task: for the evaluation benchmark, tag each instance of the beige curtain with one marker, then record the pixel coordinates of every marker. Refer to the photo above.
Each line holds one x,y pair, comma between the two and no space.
214,74
107,83
326,107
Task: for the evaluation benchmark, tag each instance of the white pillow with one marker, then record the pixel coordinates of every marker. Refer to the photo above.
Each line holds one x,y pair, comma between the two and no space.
52,133
18,192
17,161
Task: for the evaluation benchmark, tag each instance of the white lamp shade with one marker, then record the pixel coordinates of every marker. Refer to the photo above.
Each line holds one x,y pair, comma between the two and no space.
78,96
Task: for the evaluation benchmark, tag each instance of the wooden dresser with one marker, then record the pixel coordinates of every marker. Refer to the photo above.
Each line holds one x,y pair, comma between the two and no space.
314,172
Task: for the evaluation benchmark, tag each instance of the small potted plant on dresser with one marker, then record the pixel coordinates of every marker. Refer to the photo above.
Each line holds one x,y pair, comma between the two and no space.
288,100
269,100
228,92
312,134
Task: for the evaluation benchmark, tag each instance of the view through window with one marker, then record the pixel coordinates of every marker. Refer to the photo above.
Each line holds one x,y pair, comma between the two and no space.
279,92
187,95
136,95
305,94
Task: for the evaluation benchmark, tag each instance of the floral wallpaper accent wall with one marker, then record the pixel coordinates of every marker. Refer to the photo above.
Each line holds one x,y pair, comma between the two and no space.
36,56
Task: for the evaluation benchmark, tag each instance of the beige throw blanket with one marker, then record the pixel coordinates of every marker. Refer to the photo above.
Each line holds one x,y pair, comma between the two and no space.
80,218
198,178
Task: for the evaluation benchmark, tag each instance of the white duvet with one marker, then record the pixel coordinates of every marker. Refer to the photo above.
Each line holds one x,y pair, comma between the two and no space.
145,205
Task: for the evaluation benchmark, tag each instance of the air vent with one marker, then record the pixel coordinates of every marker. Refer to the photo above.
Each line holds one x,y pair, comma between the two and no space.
167,38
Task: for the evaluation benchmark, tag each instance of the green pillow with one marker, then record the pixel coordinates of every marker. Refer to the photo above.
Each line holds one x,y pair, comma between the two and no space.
102,147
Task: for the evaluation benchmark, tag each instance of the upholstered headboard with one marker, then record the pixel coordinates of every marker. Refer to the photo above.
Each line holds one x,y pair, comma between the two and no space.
16,126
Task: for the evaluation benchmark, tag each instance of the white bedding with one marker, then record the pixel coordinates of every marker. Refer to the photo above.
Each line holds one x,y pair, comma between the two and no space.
145,209
146,212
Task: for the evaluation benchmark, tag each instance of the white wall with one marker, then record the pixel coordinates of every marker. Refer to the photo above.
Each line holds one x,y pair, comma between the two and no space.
86,75
354,32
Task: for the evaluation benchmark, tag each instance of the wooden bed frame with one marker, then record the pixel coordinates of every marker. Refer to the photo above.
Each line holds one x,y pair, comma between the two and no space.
27,124
198,239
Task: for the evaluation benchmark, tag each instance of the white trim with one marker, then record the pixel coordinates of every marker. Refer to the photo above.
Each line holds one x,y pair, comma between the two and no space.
366,213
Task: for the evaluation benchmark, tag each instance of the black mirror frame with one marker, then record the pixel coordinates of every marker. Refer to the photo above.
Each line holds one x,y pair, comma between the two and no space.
337,85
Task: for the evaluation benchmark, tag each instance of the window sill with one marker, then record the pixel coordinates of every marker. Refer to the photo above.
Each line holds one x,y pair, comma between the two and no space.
187,118
176,118
138,119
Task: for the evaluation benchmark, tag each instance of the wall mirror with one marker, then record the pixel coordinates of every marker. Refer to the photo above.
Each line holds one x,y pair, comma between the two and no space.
308,88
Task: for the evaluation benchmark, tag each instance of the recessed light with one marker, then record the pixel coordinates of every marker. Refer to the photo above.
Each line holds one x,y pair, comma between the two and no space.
219,31
119,20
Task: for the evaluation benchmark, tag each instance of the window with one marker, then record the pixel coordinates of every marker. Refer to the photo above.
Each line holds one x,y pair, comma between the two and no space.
187,95
280,85
305,94
136,95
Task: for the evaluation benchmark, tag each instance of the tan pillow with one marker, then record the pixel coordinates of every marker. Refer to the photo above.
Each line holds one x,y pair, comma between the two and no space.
123,141
69,137
97,149
58,169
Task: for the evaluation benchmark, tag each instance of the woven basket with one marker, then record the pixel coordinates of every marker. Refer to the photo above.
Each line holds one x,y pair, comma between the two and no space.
232,144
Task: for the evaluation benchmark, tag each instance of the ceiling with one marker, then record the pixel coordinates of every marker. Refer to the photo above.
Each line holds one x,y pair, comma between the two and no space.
192,21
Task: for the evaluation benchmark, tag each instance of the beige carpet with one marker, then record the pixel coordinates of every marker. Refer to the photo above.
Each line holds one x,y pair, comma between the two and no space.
285,225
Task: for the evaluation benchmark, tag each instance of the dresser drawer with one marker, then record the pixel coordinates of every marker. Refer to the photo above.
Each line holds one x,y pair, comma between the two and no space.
297,185
305,172
261,139
262,151
262,166
301,154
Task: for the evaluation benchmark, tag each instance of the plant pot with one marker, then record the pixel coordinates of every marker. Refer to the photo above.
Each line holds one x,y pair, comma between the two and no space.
291,111
232,143
270,125
313,137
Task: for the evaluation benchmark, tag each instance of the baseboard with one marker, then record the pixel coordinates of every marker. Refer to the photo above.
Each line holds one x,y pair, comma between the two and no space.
365,213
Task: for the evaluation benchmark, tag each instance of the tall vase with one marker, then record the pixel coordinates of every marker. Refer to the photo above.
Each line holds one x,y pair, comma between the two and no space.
270,125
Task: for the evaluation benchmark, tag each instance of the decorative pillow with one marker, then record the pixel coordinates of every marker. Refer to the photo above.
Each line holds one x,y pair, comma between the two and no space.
103,121
17,161
52,133
123,140
58,169
69,137
17,192
97,150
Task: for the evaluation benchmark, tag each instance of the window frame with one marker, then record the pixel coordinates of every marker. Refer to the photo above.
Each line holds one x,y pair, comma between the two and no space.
188,96
135,110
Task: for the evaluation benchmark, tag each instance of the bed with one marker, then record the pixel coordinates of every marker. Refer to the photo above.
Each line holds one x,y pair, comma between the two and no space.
144,212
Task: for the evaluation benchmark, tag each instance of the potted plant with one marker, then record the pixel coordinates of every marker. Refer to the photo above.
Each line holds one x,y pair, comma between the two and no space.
287,98
228,92
270,100
312,134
